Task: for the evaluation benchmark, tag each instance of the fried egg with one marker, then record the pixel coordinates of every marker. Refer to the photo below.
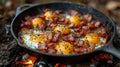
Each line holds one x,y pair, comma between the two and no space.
64,47
29,43
62,28
74,20
33,38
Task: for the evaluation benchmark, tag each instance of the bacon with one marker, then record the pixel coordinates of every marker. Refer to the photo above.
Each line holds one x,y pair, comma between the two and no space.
40,16
83,22
78,34
97,24
55,20
50,21
65,38
51,45
28,18
22,25
59,11
50,36
83,50
78,29
56,36
66,21
87,17
80,50
102,32
76,49
42,26
61,19
73,12
80,43
27,24
76,42
71,38
85,28
51,50
71,25
51,25
93,22
92,46
42,46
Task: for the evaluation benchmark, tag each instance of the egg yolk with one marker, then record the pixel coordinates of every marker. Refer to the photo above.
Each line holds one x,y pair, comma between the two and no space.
63,29
36,21
92,37
37,37
74,20
64,47
49,14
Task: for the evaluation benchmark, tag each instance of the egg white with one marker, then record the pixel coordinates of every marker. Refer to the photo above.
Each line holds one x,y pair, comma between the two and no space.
26,38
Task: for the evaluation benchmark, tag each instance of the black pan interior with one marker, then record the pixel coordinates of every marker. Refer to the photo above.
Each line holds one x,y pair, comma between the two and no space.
82,9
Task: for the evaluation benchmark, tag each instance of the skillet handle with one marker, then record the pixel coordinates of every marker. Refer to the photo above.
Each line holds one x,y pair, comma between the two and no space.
112,50
23,7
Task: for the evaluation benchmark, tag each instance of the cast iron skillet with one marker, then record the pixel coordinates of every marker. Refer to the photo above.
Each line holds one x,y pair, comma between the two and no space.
34,9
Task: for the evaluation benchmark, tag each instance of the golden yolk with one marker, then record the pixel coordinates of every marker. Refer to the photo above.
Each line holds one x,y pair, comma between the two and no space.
92,37
64,47
49,14
75,20
36,21
43,36
62,28
37,37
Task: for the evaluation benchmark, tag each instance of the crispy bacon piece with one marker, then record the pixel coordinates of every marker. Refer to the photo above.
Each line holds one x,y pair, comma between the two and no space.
73,13
97,24
41,26
42,46
71,38
56,36
59,11
61,19
88,17
51,50
91,47
80,50
80,43
51,45
65,38
41,16
26,24
102,32
71,25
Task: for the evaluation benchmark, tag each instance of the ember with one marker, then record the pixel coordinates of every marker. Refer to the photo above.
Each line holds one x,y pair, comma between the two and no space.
104,56
26,59
59,65
101,56
103,59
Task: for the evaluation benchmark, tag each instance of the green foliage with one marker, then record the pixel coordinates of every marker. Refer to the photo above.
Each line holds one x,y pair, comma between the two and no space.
2,2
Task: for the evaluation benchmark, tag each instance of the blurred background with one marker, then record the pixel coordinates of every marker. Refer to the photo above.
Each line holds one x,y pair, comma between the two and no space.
109,7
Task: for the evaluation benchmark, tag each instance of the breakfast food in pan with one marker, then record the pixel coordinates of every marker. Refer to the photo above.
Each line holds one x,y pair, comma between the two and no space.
60,32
